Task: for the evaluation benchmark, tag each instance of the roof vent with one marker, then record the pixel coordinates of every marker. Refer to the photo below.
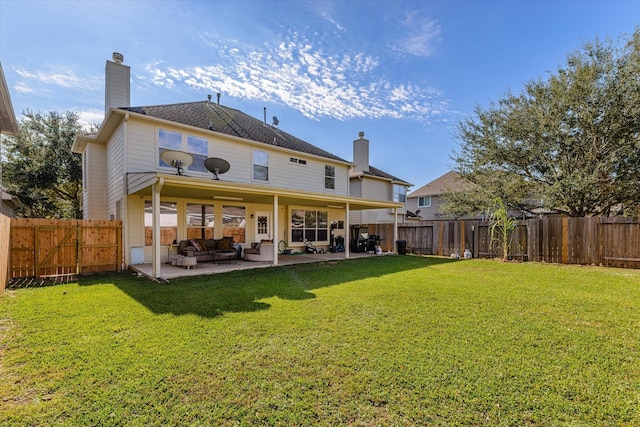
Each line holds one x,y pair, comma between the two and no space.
209,98
118,57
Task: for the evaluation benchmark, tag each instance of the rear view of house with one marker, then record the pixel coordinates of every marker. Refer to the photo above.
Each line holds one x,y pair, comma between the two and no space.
171,172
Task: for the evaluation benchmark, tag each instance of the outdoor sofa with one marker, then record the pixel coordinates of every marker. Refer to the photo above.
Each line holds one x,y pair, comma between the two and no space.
209,249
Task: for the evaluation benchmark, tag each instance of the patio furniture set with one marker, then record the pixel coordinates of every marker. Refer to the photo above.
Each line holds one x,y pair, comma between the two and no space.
192,251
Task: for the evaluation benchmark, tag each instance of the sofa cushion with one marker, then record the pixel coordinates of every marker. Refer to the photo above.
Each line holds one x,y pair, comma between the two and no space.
223,245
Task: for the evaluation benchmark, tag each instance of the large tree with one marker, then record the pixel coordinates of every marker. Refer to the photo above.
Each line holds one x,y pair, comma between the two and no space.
40,168
568,144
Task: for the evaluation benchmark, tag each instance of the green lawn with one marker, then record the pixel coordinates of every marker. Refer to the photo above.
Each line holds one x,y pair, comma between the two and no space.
378,341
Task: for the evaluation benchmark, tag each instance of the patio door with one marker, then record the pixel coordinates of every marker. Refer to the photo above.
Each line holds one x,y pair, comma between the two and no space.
263,226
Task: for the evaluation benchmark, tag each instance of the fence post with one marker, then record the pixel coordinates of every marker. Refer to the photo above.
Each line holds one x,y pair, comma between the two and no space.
565,240
79,232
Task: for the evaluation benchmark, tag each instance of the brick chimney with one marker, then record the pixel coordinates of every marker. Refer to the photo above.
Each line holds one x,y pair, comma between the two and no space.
117,85
361,154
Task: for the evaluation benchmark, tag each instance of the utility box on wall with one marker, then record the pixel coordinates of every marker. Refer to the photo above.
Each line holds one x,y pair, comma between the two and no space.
137,255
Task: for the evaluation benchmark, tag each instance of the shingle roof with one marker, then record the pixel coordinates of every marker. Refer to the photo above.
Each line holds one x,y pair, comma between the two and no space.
377,172
447,183
229,121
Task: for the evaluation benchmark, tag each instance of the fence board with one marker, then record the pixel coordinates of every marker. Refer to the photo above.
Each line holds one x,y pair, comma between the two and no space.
49,248
612,241
5,233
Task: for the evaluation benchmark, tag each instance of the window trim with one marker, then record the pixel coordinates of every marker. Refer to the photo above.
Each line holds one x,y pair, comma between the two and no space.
329,177
304,227
424,205
163,204
397,195
186,140
254,164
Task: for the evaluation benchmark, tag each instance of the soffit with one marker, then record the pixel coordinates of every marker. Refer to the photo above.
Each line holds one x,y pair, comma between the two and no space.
175,186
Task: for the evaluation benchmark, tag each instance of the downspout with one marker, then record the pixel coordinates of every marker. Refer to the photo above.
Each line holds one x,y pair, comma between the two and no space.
155,236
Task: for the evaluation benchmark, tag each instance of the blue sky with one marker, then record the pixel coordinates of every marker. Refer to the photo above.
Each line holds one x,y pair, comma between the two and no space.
403,72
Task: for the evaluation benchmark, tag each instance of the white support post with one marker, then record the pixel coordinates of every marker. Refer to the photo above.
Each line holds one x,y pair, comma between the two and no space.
155,236
276,233
395,229
347,231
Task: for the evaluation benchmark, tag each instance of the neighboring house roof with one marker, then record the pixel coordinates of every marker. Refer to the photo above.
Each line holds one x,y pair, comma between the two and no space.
447,183
8,124
10,199
214,117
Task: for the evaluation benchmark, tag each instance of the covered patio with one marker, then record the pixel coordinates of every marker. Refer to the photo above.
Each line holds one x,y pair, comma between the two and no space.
155,186
213,267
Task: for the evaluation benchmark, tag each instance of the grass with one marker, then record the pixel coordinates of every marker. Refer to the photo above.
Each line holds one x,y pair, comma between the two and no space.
378,341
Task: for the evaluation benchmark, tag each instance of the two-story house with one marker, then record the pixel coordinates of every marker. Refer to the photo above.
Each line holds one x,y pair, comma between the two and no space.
155,168
8,126
426,202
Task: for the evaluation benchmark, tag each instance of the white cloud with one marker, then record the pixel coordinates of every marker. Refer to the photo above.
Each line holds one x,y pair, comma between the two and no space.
333,22
89,117
23,88
59,76
342,85
421,35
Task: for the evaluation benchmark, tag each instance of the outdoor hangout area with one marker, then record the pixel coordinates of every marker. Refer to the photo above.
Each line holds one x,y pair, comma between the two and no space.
173,271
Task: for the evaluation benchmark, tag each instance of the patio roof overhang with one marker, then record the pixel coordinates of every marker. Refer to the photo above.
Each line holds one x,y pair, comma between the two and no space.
181,186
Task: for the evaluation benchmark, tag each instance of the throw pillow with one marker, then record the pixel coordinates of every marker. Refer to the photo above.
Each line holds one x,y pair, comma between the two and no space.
196,245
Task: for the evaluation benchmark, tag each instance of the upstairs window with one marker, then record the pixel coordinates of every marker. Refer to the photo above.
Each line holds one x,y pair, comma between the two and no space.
399,193
424,202
329,177
260,165
198,147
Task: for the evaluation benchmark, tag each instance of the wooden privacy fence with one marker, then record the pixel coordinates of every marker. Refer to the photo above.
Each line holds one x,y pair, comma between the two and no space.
5,223
46,248
610,241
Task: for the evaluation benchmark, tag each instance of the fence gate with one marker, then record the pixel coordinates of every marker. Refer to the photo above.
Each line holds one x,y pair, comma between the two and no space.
46,248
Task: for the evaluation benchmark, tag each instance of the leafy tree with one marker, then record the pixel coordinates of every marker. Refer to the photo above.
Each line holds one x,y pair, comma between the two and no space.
40,168
569,144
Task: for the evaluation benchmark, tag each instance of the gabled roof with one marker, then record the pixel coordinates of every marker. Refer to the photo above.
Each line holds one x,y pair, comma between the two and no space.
214,117
448,183
381,174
